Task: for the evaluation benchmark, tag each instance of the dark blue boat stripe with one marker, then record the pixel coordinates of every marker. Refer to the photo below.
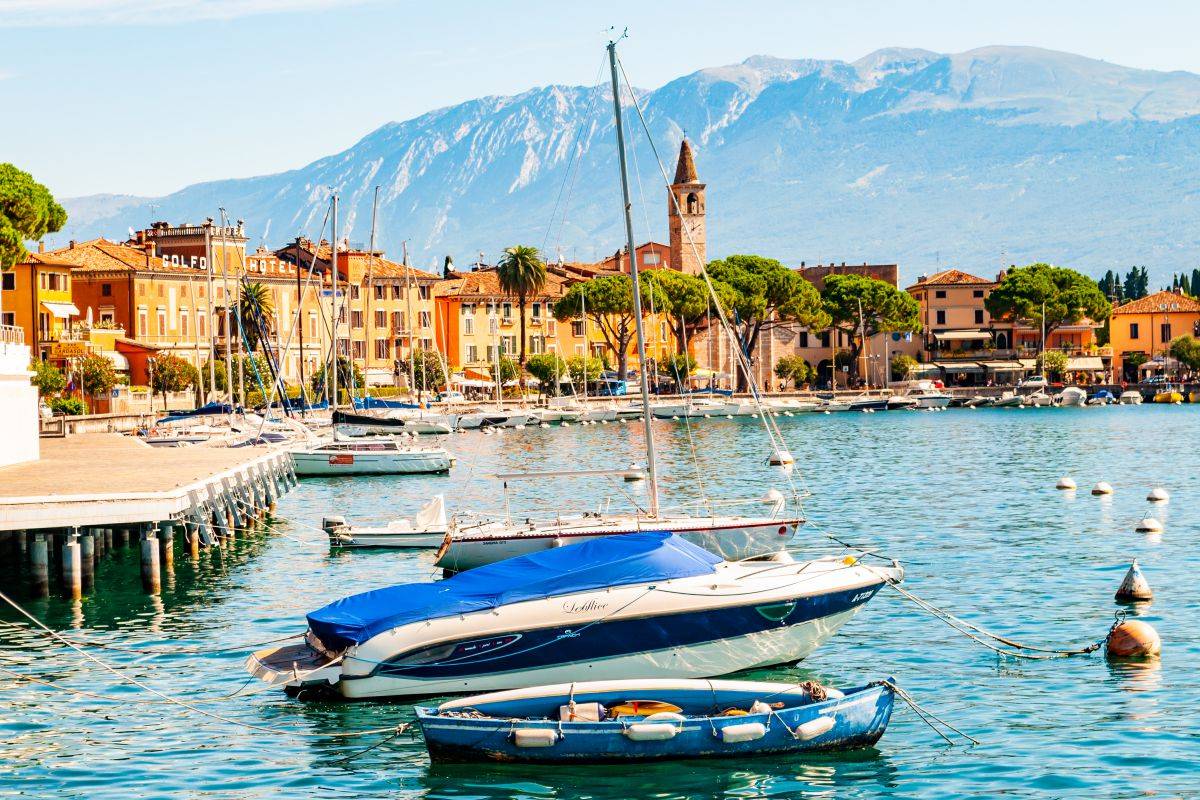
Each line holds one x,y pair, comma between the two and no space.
559,645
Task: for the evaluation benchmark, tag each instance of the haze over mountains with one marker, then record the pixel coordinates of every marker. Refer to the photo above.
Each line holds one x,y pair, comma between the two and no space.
995,155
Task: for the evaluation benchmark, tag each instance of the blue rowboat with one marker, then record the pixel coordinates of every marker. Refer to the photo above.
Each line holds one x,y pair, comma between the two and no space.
643,720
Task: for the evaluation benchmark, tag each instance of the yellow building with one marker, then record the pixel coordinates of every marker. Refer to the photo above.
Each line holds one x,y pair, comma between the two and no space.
1141,331
36,297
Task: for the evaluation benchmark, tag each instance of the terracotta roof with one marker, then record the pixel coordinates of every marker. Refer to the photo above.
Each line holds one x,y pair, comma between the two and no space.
685,169
101,255
1153,304
381,266
953,277
485,284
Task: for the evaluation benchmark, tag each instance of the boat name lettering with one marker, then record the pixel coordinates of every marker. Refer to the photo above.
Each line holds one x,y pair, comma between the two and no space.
583,606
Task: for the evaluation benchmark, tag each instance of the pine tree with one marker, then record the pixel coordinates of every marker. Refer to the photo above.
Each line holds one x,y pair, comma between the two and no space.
1196,282
1184,285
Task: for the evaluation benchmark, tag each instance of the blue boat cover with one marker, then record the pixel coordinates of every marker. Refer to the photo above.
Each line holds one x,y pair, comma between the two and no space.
608,561
211,408
375,402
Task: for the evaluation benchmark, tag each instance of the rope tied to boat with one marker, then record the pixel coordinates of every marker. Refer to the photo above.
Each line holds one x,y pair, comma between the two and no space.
925,715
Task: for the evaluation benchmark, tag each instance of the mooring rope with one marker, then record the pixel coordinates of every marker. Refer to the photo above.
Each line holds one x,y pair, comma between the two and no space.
923,713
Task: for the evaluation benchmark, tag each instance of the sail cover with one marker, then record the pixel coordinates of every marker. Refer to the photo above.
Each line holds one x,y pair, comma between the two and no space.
598,563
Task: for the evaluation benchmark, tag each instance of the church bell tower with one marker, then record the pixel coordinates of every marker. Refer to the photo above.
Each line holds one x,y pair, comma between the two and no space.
685,212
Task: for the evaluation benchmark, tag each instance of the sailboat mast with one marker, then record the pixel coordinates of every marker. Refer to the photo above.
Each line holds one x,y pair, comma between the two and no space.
412,325
370,281
333,269
651,472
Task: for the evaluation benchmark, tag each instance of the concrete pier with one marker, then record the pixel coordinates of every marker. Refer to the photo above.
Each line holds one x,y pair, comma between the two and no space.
39,565
151,571
72,568
87,560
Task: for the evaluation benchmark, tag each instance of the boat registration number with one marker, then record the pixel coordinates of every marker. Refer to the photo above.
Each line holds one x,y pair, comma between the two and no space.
341,460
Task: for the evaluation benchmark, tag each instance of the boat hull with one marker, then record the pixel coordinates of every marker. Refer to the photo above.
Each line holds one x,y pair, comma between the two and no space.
383,538
732,542
859,719
325,464
694,644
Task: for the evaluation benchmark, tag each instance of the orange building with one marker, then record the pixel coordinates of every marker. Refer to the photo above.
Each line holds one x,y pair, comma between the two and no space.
36,296
1141,331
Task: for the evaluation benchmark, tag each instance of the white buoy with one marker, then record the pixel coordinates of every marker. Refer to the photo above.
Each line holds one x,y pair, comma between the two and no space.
1149,525
544,425
1158,495
635,473
565,424
1065,482
676,417
1135,588
708,416
729,416
1102,488
787,413
781,457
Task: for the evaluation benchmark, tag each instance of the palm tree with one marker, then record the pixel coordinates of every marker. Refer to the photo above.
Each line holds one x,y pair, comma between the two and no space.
521,272
256,300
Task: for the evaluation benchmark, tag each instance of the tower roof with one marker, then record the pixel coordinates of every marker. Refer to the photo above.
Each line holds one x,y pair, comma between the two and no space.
685,169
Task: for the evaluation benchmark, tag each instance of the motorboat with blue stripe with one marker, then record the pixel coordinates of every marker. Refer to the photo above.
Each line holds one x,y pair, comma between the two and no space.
648,720
645,605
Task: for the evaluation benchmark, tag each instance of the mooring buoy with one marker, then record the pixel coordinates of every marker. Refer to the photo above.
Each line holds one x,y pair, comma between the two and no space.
1134,588
1133,638
1065,482
1158,495
780,458
1149,525
1102,488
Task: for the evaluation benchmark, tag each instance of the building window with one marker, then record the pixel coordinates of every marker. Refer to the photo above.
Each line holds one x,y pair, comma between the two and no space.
380,291
535,312
395,291
1165,332
427,344
160,290
353,291
977,293
312,324
8,318
577,328
493,325
397,320
978,316
941,318
201,324
537,344
651,259
940,294
183,322
506,312
468,325
508,345
578,349
143,323
356,319
551,327
382,348
423,292
823,338
425,319
107,317
380,319
803,339
10,281
106,290
359,348
1133,330
472,353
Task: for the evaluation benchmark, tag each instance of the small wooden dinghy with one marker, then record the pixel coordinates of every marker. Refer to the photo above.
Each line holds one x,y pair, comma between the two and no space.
636,720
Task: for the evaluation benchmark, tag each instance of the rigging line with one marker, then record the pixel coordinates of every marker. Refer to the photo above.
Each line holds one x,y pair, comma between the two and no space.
568,178
769,425
173,700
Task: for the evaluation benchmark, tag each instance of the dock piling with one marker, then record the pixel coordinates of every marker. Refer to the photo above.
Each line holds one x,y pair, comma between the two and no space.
39,566
166,543
87,560
72,568
151,574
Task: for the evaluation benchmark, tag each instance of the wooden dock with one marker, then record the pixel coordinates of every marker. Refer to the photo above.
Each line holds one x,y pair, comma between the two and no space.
90,490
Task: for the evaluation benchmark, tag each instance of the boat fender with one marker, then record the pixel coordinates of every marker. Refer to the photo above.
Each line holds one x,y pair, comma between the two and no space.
759,707
743,732
656,727
814,728
582,712
535,737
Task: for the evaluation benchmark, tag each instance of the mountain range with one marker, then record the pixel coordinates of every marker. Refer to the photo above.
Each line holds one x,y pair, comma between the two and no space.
977,159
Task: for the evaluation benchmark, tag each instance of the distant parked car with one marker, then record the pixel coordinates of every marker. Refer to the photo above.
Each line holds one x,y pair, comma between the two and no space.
1034,382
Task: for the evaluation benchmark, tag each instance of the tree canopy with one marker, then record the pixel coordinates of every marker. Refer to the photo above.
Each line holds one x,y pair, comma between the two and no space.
607,302
795,369
1068,297
172,374
686,301
97,375
428,373
1186,350
1137,284
256,300
864,307
549,369
521,272
48,378
764,294
27,213
348,377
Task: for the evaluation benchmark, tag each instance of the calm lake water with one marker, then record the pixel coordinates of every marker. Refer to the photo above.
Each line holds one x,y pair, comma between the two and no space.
965,499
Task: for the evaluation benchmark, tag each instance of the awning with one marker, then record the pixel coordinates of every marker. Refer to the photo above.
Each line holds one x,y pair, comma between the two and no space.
1085,363
119,362
926,369
472,382
1003,366
1028,363
61,310
962,336
959,366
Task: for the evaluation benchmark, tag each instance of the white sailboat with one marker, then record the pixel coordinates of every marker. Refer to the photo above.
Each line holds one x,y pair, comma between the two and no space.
474,542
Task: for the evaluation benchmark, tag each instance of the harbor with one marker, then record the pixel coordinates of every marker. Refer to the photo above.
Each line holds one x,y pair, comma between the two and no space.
1041,566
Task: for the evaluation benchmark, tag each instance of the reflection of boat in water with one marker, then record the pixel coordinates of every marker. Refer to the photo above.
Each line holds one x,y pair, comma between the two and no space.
609,721
644,605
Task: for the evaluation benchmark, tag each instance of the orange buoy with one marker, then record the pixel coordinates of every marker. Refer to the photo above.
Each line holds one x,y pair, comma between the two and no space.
1133,639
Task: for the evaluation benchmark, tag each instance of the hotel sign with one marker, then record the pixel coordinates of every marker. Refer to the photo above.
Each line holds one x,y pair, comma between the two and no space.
69,350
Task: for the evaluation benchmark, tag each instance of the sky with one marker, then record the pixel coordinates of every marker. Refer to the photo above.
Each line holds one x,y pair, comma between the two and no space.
145,97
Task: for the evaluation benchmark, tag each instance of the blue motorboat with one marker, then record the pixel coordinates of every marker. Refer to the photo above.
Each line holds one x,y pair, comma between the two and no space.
643,720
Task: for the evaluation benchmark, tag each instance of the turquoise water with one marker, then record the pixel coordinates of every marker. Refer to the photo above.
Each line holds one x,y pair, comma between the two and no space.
965,499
